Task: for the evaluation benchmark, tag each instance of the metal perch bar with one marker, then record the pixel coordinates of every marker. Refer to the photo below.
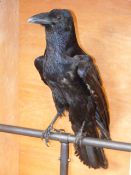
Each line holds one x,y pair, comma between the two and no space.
67,138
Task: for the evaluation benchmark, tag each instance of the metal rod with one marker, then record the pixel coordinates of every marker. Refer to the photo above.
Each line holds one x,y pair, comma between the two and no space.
64,137
64,156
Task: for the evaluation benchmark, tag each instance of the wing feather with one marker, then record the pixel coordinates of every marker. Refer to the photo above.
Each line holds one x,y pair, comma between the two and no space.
88,72
39,66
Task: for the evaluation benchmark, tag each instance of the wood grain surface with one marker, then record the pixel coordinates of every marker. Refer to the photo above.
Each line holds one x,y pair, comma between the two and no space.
104,31
9,147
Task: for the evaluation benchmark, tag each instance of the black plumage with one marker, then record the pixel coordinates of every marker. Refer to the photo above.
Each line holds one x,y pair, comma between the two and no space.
75,83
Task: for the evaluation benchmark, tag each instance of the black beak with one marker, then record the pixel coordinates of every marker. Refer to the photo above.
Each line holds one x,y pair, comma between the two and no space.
41,18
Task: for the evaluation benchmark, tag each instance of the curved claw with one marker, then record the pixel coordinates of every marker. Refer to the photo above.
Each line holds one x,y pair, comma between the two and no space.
46,134
58,130
47,142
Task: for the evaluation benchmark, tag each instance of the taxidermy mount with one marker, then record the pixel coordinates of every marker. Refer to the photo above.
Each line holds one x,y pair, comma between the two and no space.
75,83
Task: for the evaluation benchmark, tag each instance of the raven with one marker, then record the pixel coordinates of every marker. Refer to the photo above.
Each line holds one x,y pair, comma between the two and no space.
75,83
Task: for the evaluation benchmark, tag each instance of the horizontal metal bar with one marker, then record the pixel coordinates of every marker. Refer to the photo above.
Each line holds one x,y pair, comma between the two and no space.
66,138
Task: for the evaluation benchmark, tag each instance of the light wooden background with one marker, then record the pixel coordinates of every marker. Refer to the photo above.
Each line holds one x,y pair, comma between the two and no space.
104,31
9,147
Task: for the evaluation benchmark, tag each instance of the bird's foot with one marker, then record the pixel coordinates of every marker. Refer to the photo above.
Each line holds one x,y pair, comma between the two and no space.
46,133
78,138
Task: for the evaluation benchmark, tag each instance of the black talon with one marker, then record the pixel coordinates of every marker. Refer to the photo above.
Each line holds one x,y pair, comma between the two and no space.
59,130
45,136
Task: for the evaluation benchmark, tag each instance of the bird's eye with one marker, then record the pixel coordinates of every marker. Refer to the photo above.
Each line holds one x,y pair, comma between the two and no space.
58,17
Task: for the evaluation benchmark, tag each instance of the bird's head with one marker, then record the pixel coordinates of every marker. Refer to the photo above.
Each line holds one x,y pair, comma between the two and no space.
56,18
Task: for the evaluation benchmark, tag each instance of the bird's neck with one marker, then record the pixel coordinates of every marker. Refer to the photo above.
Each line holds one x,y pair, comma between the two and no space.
60,41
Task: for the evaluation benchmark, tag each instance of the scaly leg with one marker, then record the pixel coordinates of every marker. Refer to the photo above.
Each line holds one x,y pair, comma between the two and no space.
104,132
80,135
47,132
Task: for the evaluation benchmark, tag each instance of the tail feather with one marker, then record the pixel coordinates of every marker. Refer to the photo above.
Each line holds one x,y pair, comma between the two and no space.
92,156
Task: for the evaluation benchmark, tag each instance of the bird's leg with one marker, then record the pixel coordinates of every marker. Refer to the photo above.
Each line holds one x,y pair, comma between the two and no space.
46,133
80,135
104,132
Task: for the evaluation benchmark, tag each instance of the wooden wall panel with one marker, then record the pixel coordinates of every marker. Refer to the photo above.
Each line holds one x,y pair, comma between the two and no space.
104,31
9,158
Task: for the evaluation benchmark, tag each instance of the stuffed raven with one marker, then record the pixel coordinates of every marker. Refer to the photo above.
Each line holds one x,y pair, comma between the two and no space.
75,84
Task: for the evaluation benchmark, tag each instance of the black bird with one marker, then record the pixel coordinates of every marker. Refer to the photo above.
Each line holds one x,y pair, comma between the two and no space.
75,83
